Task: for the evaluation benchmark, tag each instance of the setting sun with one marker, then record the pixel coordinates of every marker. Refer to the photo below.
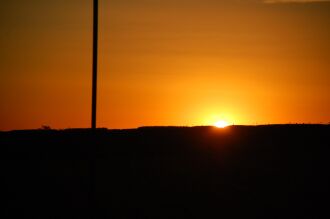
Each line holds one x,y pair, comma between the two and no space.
221,124
187,69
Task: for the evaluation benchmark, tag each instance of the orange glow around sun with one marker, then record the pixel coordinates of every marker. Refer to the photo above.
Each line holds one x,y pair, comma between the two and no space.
260,67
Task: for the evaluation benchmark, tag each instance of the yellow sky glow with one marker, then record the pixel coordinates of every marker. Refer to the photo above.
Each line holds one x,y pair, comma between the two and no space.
180,62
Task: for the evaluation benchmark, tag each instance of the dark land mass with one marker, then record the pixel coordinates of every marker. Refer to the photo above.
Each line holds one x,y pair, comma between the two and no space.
277,171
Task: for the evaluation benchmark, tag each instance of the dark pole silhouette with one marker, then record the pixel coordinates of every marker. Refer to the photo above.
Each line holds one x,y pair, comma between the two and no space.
92,198
95,50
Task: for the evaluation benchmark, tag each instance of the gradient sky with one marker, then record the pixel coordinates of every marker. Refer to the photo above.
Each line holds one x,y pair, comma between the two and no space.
165,62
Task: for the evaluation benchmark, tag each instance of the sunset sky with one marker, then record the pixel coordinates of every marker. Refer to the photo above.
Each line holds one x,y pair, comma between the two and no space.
165,62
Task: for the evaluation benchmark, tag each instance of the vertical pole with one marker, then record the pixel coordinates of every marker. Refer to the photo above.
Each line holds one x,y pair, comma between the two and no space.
92,195
95,50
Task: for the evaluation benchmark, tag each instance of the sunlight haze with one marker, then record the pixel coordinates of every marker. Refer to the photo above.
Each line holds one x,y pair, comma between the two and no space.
164,62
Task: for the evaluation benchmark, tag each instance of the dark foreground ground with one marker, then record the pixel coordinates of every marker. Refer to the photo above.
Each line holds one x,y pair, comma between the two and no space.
202,172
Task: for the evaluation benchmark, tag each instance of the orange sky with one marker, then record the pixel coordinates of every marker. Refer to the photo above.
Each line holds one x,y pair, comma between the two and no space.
164,62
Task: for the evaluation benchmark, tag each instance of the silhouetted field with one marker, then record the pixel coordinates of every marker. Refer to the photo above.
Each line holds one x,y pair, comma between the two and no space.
279,171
